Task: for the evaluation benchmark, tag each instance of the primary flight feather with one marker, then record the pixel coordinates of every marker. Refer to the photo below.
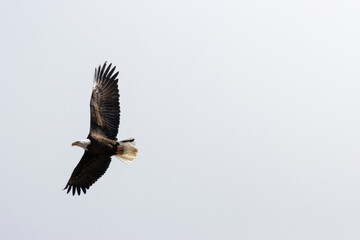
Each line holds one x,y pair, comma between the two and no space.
101,143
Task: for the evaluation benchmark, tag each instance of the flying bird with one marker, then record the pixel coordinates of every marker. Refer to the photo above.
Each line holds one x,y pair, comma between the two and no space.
101,143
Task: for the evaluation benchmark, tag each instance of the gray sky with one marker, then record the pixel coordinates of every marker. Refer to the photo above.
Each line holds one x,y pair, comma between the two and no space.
246,116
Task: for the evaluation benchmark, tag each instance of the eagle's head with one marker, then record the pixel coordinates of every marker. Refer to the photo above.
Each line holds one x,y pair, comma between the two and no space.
82,143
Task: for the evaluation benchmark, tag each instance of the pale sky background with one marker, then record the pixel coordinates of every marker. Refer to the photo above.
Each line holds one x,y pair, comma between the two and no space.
246,116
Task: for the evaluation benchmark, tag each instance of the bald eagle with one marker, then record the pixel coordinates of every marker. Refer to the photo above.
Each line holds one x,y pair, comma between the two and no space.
101,143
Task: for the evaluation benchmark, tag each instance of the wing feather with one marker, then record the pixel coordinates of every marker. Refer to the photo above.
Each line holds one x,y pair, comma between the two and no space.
104,103
90,168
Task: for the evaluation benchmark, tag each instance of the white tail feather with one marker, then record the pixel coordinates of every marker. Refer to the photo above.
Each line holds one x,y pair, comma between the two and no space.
127,151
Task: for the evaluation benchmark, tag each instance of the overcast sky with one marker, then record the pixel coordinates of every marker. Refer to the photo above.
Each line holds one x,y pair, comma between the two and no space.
246,116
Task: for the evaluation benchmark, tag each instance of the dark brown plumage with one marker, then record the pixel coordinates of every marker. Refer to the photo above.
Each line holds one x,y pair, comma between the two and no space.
101,142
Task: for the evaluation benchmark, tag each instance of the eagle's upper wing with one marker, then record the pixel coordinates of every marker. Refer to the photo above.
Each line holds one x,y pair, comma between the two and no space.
104,104
90,168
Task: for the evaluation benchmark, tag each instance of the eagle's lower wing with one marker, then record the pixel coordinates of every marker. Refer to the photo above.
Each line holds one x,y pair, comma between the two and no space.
90,168
104,104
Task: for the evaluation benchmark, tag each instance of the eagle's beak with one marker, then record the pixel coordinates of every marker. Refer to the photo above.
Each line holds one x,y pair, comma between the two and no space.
74,143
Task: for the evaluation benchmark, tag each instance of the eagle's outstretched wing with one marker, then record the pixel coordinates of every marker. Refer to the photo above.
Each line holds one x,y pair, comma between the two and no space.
104,103
90,168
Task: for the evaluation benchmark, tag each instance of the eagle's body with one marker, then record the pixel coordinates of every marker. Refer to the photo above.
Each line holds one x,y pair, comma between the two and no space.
101,142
